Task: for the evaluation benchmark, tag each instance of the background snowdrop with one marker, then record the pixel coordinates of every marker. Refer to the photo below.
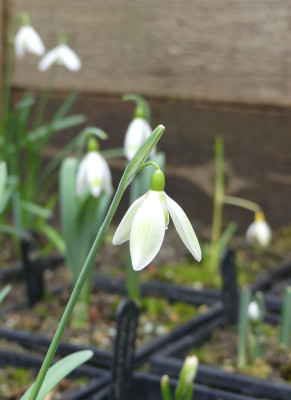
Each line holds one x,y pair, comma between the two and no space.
93,173
259,231
137,133
139,129
61,55
28,40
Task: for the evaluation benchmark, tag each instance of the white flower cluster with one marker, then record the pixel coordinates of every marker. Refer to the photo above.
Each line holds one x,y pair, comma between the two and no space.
28,40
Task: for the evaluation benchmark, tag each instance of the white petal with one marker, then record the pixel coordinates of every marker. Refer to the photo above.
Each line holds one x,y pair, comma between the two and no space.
95,173
107,180
260,232
147,232
254,311
122,233
264,233
184,228
81,179
34,42
49,58
69,58
19,42
250,235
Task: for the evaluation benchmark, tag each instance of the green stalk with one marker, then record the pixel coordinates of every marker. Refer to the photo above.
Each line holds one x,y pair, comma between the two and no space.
129,173
44,97
8,69
245,298
238,201
285,329
218,205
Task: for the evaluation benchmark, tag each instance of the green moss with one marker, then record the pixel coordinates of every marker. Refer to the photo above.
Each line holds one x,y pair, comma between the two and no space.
12,378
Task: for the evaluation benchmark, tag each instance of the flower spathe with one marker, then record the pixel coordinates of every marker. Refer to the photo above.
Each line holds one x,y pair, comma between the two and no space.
93,174
137,133
259,231
28,40
61,55
145,223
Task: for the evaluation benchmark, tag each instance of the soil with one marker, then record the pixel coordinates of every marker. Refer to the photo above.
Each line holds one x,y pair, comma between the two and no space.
157,318
15,381
221,351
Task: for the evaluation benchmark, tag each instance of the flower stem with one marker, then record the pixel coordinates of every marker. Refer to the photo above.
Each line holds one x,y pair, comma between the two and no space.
75,294
247,204
218,205
148,164
44,96
8,69
129,173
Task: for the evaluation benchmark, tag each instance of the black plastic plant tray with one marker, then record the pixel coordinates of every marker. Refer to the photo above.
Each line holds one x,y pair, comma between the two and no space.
170,360
105,358
159,289
98,377
15,272
266,282
147,387
278,281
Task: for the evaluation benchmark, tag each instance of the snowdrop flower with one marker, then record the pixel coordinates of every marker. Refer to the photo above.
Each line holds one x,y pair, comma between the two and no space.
145,223
27,39
189,371
61,55
137,133
254,311
259,231
93,173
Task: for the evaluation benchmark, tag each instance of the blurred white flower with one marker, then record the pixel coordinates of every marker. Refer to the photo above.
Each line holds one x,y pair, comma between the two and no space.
93,174
137,133
62,55
254,311
144,225
190,369
259,231
28,40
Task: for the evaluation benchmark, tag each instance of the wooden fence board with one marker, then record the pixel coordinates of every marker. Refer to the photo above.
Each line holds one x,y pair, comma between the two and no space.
225,50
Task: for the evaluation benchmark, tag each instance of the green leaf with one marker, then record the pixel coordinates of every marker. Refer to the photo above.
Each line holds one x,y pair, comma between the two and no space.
113,153
68,201
243,322
226,236
59,371
12,183
3,181
12,230
66,105
35,209
45,130
4,292
54,237
26,102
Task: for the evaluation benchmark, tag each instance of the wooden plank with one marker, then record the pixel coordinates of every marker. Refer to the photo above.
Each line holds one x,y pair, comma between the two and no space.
225,50
257,153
